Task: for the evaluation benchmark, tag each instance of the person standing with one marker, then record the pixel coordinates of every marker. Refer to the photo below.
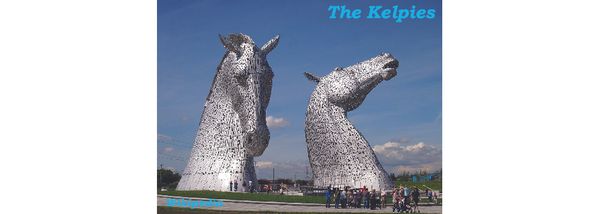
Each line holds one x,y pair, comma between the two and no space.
235,185
415,197
250,186
350,199
383,194
374,196
356,199
336,197
343,198
430,195
394,199
401,198
367,197
406,195
328,197
230,186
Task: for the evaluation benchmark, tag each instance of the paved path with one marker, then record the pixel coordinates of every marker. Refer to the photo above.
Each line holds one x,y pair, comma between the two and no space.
238,205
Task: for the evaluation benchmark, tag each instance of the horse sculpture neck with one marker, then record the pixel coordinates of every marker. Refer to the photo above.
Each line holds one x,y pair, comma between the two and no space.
339,154
219,153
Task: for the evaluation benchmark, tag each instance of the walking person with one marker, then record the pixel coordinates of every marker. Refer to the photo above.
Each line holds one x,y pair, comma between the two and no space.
230,186
235,185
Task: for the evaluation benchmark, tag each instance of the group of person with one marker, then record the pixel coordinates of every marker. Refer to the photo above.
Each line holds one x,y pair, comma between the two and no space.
355,198
233,186
404,199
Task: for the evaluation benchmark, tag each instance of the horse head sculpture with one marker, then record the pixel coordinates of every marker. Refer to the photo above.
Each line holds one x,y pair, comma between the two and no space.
338,153
249,86
233,126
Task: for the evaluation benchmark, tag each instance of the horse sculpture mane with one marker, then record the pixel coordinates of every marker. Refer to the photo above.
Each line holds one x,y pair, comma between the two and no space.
233,128
338,153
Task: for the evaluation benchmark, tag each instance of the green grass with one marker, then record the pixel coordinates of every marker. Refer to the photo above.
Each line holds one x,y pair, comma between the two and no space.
435,185
247,196
179,210
257,196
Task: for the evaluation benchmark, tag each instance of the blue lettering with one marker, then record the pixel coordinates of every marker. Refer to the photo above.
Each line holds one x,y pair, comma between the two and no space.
333,10
403,14
412,12
194,204
373,12
170,202
356,14
386,13
430,13
421,13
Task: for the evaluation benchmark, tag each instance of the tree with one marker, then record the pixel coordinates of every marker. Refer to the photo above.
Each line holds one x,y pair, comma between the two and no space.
167,178
393,176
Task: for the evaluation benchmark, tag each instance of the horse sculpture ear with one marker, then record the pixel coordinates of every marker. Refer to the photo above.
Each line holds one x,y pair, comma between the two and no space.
312,77
227,43
268,47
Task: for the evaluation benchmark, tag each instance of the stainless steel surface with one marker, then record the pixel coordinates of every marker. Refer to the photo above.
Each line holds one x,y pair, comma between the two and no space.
233,128
338,153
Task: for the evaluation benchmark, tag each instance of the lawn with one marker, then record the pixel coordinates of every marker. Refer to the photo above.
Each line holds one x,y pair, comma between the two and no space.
256,196
435,185
247,196
178,210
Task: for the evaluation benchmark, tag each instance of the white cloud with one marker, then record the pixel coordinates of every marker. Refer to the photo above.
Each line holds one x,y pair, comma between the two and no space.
171,168
185,118
276,122
264,164
169,149
164,137
401,156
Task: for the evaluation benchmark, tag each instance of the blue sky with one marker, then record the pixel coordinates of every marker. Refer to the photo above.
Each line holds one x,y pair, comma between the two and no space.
401,118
